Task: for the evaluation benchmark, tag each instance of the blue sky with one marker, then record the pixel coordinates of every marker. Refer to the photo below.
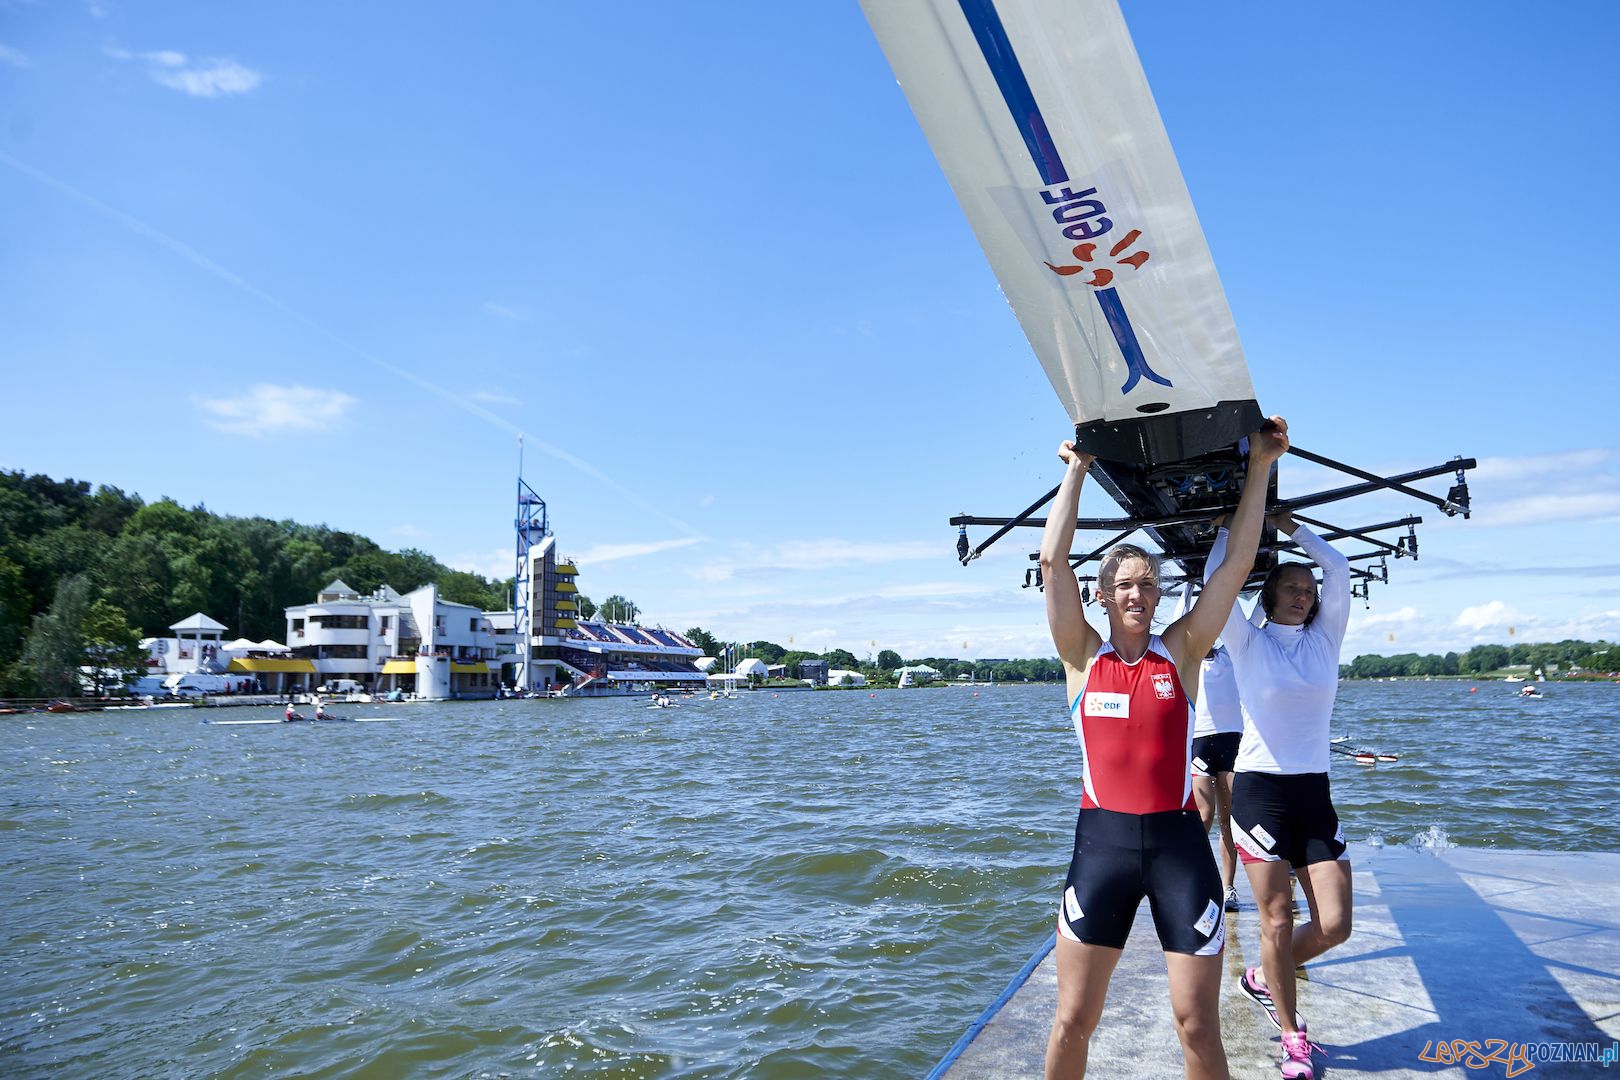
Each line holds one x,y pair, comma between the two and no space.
325,262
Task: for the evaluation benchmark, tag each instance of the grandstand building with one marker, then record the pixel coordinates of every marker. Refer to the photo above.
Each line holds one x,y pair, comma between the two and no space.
617,658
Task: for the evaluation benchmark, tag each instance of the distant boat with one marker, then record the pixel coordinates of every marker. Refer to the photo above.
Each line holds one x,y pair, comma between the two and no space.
1514,678
906,680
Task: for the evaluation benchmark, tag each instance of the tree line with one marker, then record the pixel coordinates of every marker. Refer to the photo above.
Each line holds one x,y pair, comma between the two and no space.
1598,657
85,574
881,667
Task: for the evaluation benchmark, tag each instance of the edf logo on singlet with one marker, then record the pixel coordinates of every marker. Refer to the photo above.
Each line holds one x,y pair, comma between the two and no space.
1098,703
1164,687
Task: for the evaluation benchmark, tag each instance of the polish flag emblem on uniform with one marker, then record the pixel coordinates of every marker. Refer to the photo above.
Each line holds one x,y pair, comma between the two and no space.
1164,687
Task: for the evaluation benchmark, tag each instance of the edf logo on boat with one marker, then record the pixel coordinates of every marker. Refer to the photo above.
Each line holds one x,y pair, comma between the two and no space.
1080,214
1083,217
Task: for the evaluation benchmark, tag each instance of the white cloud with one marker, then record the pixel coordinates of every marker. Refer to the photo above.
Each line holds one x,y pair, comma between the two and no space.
14,57
1508,469
408,531
494,397
1499,624
1484,616
212,77
264,409
707,500
1406,616
932,590
824,554
602,553
497,565
1551,509
501,311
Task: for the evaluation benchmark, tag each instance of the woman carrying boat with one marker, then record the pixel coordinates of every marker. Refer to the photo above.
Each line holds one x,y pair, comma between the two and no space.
1137,833
1282,810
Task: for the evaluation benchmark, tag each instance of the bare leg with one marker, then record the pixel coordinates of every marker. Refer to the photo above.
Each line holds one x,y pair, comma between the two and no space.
1195,999
1269,880
1204,792
1327,890
1223,795
1083,972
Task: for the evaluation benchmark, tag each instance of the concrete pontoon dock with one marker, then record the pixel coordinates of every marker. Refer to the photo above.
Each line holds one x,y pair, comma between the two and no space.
1457,944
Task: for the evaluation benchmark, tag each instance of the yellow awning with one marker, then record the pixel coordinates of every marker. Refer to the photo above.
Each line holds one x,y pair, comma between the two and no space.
566,586
306,667
566,624
468,669
399,667
567,568
567,605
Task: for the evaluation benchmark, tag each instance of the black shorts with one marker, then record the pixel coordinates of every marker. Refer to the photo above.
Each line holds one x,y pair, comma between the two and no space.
1285,818
1120,858
1217,753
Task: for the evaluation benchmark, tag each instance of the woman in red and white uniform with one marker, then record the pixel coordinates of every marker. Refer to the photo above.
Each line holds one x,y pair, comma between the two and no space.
1282,808
1138,831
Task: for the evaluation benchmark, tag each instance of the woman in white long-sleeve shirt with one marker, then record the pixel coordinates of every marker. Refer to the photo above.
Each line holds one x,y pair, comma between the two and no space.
1282,810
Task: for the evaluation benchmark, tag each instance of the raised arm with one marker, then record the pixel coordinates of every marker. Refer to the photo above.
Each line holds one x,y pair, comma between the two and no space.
1076,641
1334,614
1191,636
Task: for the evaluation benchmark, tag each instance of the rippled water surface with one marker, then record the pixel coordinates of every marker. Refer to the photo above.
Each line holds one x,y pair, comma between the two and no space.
771,886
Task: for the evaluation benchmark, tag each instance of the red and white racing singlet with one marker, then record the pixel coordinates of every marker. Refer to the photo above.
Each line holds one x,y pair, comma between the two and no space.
1135,727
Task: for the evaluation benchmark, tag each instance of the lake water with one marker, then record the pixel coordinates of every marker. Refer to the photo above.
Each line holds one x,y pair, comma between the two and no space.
772,886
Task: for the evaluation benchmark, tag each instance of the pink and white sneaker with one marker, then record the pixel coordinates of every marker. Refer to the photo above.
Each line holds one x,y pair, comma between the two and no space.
1296,1061
1249,983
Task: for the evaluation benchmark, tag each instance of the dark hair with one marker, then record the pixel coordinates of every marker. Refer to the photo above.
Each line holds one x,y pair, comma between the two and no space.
1268,591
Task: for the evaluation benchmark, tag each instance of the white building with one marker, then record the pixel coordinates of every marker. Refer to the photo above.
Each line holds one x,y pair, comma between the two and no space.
196,647
417,643
916,673
272,665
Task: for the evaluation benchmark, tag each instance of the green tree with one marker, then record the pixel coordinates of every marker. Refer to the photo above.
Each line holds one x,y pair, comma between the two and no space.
1486,658
55,648
587,606
841,659
792,659
463,587
703,640
618,610
768,651
112,648
14,610
888,660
